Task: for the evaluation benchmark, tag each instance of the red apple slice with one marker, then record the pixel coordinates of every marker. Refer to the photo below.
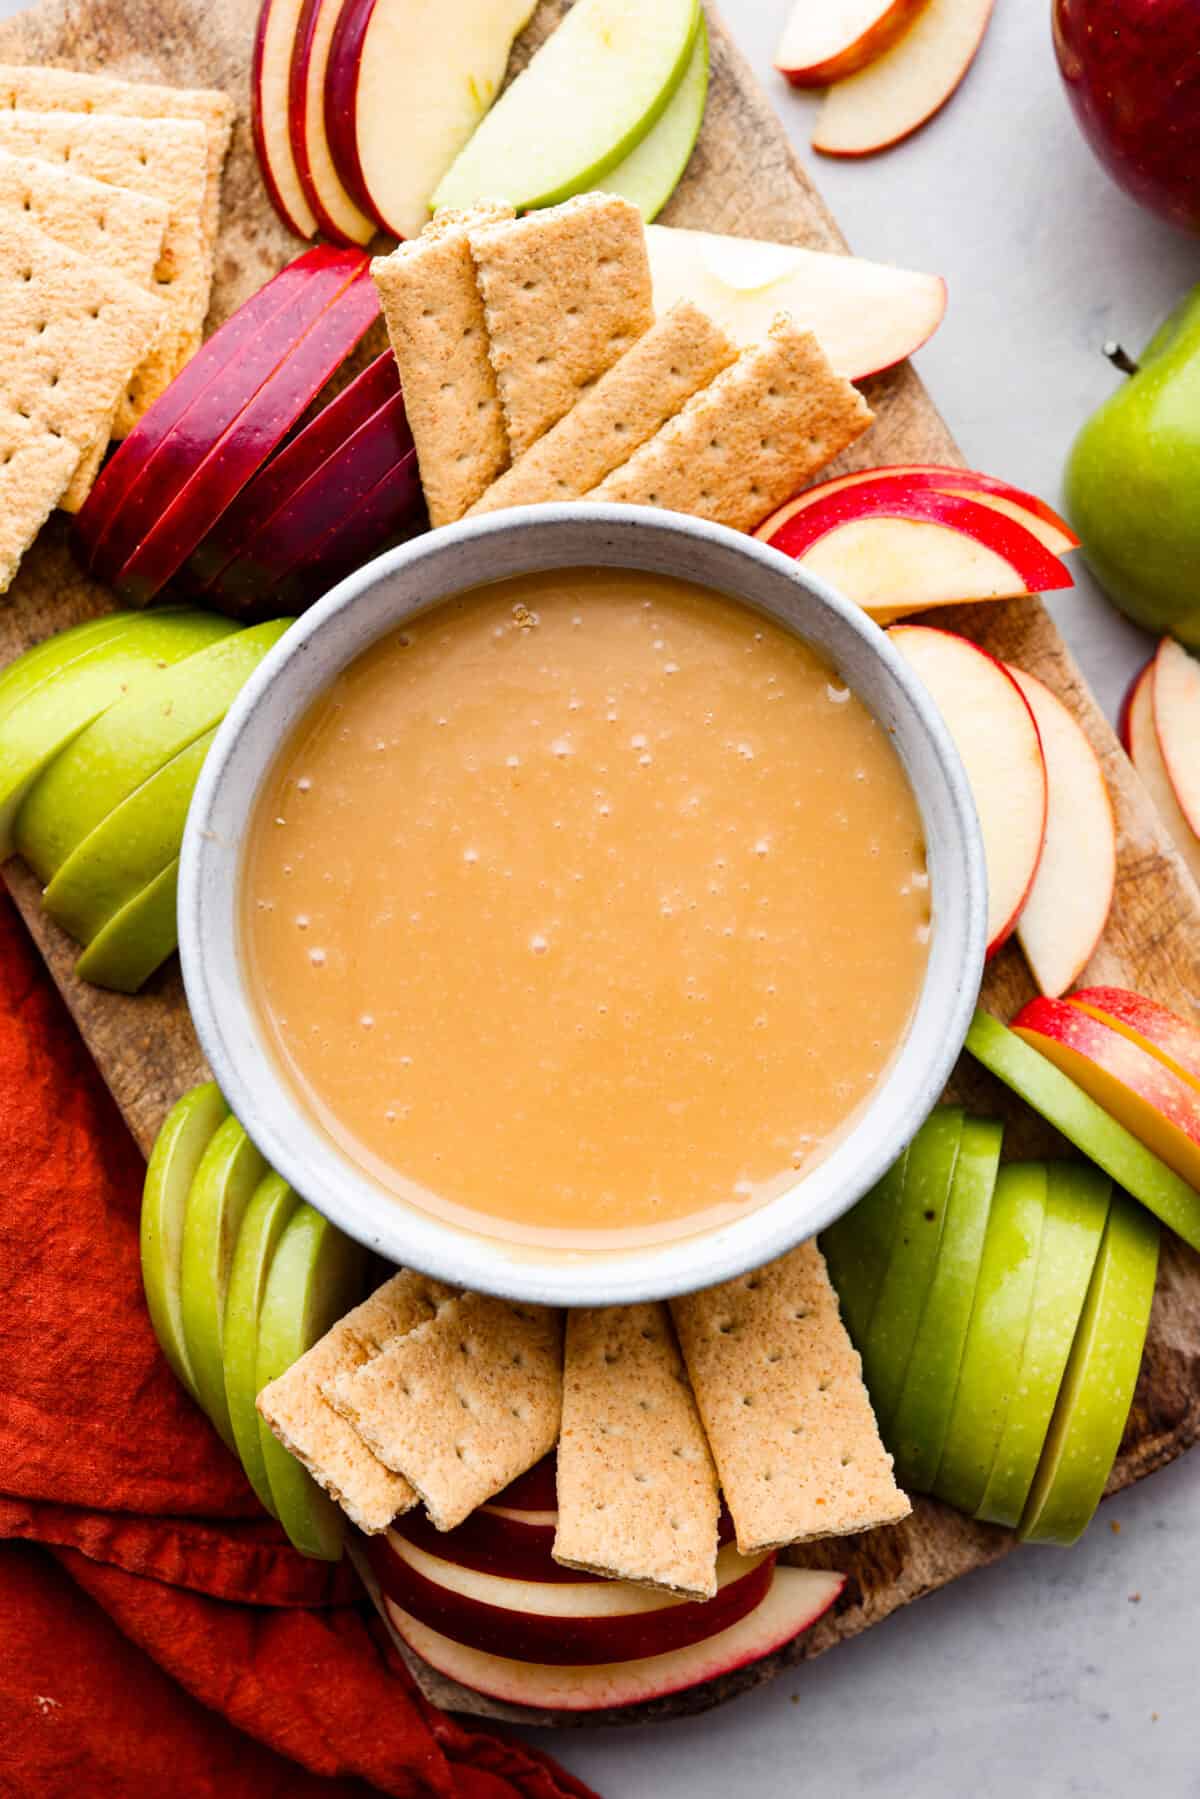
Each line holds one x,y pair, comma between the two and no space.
221,467
1123,716
324,436
534,1491
796,1598
491,1544
553,1621
990,721
335,211
1177,722
214,386
1155,1028
1067,907
1051,531
270,73
1146,756
907,84
826,40
896,550
1137,1089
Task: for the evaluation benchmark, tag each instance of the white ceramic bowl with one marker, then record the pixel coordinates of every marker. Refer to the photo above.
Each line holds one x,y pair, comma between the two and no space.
375,601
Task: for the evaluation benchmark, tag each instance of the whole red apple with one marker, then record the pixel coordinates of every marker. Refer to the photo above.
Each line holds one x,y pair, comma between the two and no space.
1132,69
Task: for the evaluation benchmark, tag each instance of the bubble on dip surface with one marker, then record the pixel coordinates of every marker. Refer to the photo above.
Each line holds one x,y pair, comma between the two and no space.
586,908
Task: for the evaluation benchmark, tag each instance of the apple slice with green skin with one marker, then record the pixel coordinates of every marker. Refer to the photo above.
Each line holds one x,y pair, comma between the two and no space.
897,92
932,1156
996,735
1155,1028
922,1416
649,175
585,101
132,740
1148,1098
270,76
1077,1201
866,315
271,1207
337,216
186,1133
49,718
128,849
1067,908
824,43
46,661
858,1247
1141,739
1051,531
1098,1386
229,1172
315,1277
137,940
1105,1141
1000,1315
1176,692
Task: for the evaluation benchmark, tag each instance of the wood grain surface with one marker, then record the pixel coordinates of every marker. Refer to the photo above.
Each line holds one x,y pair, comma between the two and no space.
743,179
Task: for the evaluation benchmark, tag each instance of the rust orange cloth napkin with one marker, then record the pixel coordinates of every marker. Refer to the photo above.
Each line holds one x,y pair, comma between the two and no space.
158,1635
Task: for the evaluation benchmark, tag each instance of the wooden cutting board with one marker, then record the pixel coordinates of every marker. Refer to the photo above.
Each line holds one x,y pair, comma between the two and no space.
743,179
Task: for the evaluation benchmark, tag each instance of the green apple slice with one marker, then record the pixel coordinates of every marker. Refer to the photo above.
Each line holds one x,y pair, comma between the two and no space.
271,1206
918,1432
932,1156
858,1246
589,96
995,1336
129,849
131,741
649,175
56,654
137,940
229,1171
187,1132
1087,1125
1077,1198
40,726
316,1275
1097,1388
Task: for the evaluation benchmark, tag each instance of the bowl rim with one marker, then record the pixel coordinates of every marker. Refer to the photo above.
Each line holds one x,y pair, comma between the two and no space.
363,608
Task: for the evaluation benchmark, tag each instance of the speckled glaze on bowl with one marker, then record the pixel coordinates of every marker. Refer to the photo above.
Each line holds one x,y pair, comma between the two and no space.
381,597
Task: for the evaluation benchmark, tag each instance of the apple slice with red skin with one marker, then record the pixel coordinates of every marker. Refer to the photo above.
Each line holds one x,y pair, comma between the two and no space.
552,1621
826,40
1176,683
997,737
213,387
1136,1088
1124,715
491,1544
896,550
1141,739
794,1601
1155,1028
897,92
534,1491
222,465
1067,907
1051,531
287,471
335,211
270,75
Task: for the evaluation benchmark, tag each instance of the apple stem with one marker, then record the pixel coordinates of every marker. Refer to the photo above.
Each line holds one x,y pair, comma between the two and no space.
1120,358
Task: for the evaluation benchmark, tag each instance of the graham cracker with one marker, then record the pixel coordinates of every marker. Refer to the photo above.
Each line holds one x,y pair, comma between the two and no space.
35,466
71,335
637,1490
463,1404
74,90
747,442
167,159
565,293
322,1439
681,353
789,1421
435,322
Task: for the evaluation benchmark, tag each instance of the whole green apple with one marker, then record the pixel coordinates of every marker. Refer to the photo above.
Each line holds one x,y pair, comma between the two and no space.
1133,481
